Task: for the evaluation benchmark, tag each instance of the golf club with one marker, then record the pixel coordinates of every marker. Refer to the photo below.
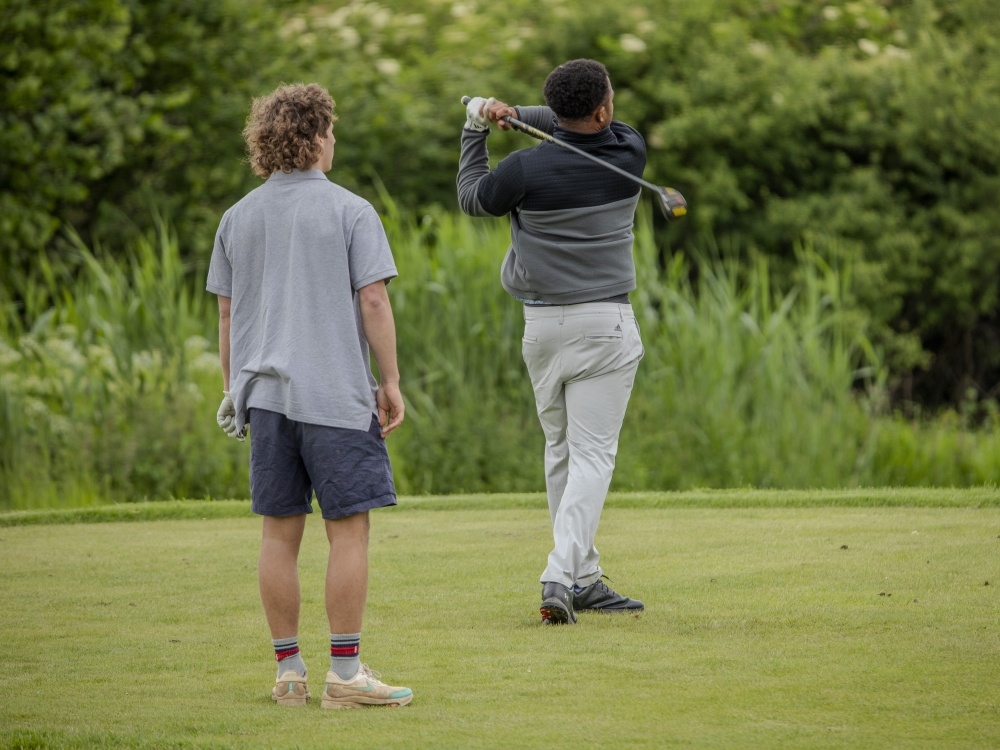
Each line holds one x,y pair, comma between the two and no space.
671,202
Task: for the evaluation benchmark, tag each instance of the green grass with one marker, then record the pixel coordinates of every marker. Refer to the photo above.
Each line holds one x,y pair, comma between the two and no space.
797,619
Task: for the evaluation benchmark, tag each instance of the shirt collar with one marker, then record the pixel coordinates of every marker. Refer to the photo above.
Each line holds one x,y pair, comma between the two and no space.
296,174
604,135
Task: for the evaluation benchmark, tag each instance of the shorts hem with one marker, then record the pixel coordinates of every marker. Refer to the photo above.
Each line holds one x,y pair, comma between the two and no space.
303,510
385,501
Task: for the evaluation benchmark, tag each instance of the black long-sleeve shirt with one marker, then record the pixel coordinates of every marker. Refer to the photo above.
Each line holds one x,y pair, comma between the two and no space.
571,220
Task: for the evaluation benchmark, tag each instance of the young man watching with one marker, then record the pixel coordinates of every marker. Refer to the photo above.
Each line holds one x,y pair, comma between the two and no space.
300,267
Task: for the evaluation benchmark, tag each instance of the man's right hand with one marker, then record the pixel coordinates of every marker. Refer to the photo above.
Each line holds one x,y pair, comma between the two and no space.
495,112
226,417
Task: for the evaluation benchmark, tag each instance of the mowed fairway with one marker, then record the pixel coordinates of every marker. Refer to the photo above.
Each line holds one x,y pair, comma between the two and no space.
856,625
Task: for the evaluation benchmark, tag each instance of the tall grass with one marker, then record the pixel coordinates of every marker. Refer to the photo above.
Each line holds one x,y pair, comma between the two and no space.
109,393
744,384
471,424
110,379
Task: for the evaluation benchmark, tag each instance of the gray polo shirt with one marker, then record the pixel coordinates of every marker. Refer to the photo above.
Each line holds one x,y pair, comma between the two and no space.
292,255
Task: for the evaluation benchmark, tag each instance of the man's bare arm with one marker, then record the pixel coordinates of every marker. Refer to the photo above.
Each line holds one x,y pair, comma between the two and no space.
225,305
380,330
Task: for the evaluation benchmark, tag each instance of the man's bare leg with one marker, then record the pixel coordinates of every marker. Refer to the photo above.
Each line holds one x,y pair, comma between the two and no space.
347,684
278,578
278,573
347,573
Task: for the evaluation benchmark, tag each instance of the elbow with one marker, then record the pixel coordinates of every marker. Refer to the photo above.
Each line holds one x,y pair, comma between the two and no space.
373,299
467,206
466,196
372,307
225,308
469,203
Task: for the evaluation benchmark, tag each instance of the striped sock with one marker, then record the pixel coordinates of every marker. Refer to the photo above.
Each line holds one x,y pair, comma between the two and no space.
345,654
286,652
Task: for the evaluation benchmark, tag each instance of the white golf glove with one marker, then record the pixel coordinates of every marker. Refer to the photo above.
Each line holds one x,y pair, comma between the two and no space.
474,120
226,417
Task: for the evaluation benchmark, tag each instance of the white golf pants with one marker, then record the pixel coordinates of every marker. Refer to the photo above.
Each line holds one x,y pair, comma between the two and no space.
582,361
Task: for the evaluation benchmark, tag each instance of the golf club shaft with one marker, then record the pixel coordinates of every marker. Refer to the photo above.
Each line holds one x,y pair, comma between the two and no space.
543,136
671,203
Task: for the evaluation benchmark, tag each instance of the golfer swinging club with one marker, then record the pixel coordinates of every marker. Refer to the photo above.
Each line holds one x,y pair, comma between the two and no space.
570,264
300,267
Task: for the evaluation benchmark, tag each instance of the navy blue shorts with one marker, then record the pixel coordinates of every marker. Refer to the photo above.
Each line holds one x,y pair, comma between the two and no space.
349,470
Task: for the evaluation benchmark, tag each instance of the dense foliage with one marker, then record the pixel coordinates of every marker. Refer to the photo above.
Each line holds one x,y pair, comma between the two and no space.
113,110
862,130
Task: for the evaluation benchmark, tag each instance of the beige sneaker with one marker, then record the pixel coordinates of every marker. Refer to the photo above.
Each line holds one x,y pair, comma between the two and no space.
364,689
290,690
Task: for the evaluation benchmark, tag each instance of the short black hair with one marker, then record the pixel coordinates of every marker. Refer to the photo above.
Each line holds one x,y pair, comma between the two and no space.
576,88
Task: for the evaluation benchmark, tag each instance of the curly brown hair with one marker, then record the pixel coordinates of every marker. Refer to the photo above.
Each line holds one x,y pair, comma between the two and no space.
282,127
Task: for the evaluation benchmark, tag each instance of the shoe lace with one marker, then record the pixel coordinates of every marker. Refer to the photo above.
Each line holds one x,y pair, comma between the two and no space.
372,675
602,586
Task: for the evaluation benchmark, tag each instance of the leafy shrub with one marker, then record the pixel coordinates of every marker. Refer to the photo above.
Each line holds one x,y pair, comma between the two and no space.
108,107
860,129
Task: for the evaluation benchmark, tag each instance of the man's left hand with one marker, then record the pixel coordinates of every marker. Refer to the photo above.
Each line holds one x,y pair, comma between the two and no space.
390,407
475,114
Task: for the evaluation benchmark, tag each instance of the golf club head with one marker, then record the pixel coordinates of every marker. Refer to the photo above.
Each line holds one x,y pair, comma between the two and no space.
672,203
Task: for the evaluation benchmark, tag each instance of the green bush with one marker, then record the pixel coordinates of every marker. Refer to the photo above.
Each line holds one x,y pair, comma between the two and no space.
861,129
108,107
870,142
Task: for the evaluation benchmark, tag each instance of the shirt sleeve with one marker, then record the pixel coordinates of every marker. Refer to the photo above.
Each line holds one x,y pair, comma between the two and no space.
497,193
368,253
220,269
540,118
473,166
502,190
